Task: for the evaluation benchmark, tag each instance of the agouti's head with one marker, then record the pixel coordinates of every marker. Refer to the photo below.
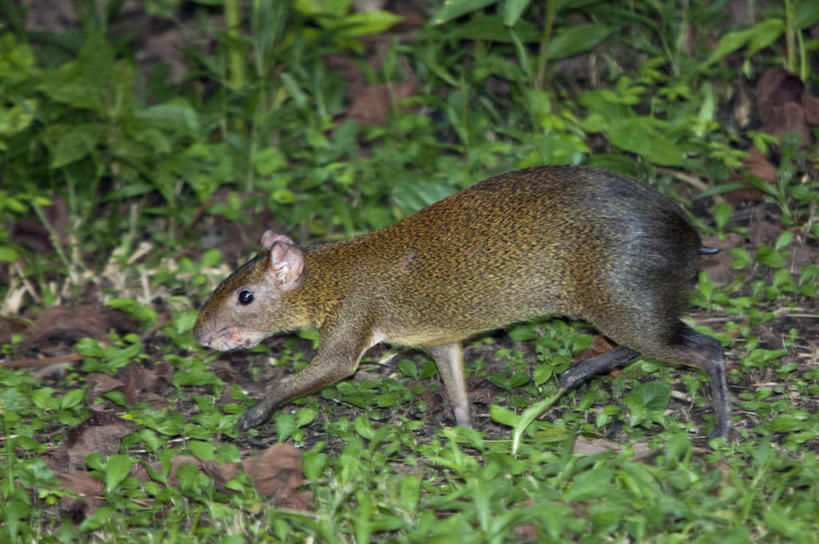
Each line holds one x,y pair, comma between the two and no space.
245,308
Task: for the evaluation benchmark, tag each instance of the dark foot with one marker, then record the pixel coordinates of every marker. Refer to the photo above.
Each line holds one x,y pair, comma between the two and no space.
253,417
721,430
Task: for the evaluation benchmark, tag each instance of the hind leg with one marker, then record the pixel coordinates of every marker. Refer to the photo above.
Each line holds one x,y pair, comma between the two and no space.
709,356
686,346
583,370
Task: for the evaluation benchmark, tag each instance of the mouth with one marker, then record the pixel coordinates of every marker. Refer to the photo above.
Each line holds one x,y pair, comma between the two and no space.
229,339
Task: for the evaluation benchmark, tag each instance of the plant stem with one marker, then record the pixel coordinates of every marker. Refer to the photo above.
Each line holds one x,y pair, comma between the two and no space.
545,36
236,67
790,36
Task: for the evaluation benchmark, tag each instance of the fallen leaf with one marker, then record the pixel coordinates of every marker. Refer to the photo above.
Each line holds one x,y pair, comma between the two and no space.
759,166
67,324
371,105
101,433
277,474
780,99
90,498
599,345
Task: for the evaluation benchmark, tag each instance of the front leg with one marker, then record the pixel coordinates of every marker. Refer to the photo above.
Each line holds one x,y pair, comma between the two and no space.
449,358
338,356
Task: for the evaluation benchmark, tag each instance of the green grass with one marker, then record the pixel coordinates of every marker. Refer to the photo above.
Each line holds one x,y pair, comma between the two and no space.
123,188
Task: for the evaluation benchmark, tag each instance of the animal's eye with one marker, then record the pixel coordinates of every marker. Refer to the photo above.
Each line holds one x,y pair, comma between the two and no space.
245,297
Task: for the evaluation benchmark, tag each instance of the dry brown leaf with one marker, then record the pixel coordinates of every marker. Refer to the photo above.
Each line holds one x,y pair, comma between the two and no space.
101,433
90,497
277,475
100,384
371,105
221,472
757,165
780,103
137,380
810,105
34,235
67,324
599,345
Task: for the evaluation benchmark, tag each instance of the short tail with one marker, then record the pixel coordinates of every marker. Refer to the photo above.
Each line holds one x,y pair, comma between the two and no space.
705,250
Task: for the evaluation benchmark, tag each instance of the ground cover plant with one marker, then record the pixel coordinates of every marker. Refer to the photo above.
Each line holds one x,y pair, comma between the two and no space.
144,147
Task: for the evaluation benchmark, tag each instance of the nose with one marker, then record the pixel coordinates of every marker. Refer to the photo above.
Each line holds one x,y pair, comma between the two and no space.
204,337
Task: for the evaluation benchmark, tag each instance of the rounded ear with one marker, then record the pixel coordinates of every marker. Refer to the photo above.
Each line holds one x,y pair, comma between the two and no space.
286,264
270,237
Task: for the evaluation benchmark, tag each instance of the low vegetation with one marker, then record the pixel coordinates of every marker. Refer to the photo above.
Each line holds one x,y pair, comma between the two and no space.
144,148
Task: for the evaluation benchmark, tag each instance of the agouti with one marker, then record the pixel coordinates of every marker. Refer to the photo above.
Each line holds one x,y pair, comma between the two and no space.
573,241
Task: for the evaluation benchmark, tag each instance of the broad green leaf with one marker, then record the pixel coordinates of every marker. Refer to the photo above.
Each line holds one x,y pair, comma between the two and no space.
646,400
453,9
408,369
654,395
577,39
363,427
76,143
184,321
8,254
17,61
788,423
591,484
491,28
84,82
72,398
204,451
44,399
269,160
757,37
366,23
770,257
306,416
503,415
410,492
89,347
512,10
67,85
284,196
807,14
337,8
144,313
783,240
729,43
411,197
542,373
171,425
16,118
639,135
314,464
188,475
764,34
177,116
116,470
